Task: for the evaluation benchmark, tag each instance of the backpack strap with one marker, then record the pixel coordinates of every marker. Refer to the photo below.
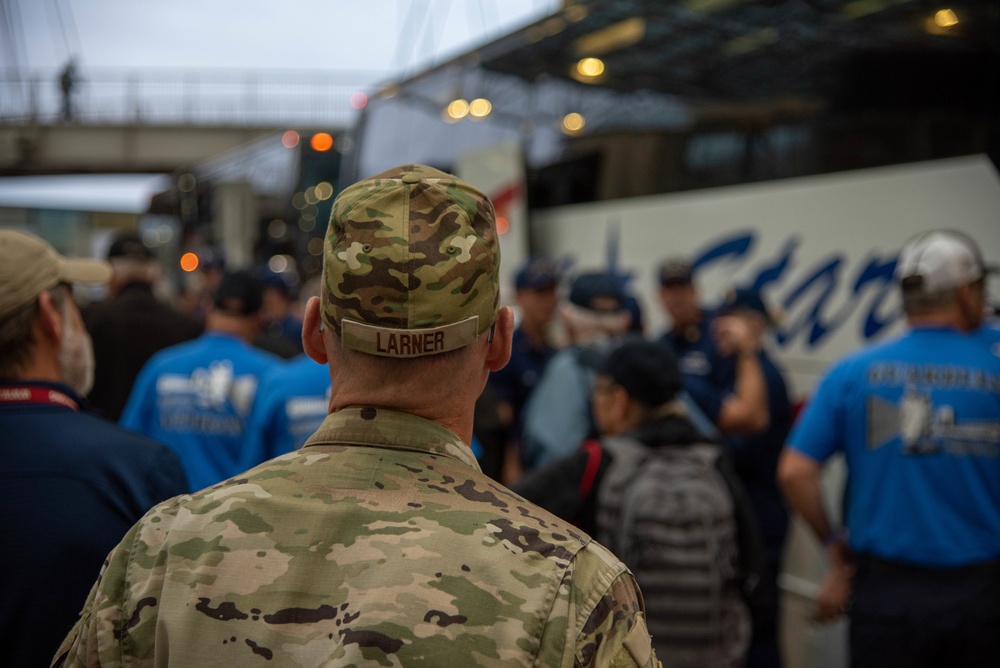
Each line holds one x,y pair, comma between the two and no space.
594,454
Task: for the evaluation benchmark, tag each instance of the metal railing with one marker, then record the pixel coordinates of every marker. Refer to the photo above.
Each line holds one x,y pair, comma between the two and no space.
194,97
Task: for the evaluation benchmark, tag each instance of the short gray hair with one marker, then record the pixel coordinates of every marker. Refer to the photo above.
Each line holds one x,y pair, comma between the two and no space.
17,336
918,302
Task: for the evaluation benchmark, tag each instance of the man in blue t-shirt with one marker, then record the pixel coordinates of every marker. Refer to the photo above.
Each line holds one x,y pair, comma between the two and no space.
918,421
196,396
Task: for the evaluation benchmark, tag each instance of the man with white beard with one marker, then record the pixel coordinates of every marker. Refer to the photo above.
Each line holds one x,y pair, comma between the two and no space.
71,484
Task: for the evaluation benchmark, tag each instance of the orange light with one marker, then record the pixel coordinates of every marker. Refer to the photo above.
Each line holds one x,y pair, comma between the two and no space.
502,225
290,139
189,262
321,141
359,100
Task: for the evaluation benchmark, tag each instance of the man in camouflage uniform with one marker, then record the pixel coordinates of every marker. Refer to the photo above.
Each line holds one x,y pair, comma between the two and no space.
380,541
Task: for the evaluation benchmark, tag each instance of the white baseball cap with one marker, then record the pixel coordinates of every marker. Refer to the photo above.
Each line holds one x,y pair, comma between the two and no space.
940,260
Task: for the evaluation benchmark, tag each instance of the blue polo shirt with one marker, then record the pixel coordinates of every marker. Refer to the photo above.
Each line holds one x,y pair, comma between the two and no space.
918,421
292,402
71,485
196,397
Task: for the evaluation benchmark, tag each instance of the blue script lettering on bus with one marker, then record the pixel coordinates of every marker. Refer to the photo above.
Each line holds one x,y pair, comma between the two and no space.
867,287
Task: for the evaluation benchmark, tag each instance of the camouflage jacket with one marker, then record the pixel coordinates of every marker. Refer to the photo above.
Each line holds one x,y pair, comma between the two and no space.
379,542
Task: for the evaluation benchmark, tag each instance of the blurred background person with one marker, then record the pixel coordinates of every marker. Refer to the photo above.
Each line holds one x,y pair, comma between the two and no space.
196,396
689,335
200,285
557,415
755,455
536,287
292,401
71,484
281,319
917,417
68,80
664,501
131,324
731,394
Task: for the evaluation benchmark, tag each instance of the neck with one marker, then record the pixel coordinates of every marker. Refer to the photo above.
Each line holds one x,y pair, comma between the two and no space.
452,418
950,317
445,403
44,365
243,327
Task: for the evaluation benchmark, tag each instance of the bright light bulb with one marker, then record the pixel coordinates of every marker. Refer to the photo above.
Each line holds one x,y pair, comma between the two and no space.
573,122
590,67
189,262
945,18
458,109
480,107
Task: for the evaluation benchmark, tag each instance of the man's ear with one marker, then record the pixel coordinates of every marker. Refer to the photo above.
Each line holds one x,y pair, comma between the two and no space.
313,341
50,318
498,353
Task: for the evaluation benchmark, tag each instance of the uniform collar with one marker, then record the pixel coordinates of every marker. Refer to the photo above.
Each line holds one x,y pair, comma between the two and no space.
384,428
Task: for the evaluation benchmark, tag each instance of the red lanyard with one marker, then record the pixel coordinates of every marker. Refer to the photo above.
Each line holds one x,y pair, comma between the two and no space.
36,394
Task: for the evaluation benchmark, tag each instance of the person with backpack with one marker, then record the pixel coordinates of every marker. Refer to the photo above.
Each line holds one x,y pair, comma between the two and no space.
668,503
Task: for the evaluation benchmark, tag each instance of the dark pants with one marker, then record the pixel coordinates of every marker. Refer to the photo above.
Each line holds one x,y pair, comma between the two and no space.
907,616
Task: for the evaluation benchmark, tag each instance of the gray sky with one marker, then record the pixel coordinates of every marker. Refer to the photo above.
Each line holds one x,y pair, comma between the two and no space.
386,36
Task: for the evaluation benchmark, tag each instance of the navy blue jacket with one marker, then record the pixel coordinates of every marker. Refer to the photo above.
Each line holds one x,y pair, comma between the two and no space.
71,485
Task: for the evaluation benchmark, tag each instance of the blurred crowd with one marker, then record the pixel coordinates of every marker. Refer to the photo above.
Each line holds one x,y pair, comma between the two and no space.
219,377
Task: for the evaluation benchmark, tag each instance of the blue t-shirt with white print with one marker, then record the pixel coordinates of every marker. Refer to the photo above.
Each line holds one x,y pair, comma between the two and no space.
291,404
918,421
195,397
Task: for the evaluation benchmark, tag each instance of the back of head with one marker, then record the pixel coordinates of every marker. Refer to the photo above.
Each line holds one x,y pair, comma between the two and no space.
646,369
239,294
411,264
130,246
131,261
933,265
28,267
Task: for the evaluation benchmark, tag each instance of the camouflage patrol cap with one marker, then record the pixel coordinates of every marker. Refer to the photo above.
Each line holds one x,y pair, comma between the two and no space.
410,264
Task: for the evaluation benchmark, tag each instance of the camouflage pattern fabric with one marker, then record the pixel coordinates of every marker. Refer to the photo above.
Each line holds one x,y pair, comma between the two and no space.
378,543
410,250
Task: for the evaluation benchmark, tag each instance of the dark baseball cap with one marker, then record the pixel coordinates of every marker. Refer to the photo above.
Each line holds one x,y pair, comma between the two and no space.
676,271
646,369
239,293
744,299
131,247
538,273
587,289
